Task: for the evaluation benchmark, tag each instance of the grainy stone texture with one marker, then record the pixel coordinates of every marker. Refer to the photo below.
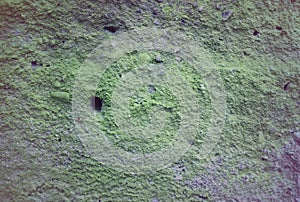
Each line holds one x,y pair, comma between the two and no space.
256,51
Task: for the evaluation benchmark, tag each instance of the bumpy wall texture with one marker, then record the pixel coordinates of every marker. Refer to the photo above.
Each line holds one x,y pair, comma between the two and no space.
160,100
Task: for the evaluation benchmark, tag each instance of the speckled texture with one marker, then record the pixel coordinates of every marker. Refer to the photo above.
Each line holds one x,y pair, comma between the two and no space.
256,51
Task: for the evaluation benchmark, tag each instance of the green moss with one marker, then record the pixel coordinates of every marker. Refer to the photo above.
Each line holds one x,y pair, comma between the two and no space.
143,102
63,96
41,148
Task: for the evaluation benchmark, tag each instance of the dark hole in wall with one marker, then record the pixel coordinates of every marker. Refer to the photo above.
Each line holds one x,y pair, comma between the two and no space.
278,28
34,63
96,103
111,29
255,33
286,87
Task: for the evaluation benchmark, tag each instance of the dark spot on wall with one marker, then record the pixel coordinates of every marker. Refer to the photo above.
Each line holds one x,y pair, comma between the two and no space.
155,12
286,87
278,28
246,53
111,28
255,33
200,197
96,103
34,63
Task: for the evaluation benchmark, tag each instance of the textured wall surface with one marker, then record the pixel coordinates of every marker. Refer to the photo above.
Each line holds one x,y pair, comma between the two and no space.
239,65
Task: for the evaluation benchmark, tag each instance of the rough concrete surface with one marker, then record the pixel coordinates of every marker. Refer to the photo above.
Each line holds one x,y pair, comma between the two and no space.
248,53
